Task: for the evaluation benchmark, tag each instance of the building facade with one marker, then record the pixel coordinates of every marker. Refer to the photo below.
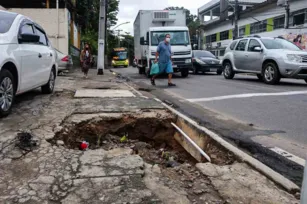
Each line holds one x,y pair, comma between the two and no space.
263,18
58,22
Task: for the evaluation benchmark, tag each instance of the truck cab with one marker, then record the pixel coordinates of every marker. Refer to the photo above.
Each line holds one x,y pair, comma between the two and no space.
150,28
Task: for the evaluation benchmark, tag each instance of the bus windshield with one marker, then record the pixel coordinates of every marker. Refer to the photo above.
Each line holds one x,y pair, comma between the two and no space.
177,37
120,54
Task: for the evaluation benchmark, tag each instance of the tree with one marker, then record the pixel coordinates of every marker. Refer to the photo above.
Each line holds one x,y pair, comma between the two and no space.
88,18
128,42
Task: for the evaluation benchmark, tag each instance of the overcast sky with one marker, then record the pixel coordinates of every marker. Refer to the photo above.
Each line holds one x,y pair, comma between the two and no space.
128,9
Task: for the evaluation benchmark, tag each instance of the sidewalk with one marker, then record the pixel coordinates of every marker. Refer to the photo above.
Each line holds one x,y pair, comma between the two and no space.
114,169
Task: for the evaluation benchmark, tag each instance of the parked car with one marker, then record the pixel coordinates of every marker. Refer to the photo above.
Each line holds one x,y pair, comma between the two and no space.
204,61
269,58
64,61
27,61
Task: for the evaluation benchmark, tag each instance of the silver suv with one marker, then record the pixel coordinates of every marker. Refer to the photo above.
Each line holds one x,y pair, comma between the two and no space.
269,58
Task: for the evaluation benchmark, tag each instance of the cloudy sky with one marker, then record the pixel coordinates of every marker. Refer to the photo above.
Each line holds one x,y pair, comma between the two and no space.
128,9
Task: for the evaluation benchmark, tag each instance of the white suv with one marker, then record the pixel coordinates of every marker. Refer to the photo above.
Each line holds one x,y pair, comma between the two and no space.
269,58
27,60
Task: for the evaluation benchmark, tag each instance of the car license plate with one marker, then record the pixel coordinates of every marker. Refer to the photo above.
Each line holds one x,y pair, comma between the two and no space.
174,66
213,70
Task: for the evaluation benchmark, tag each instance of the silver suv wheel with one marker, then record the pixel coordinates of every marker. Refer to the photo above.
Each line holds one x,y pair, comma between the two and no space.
269,73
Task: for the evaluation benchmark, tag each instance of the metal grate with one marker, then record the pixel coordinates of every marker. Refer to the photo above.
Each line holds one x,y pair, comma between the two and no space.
161,15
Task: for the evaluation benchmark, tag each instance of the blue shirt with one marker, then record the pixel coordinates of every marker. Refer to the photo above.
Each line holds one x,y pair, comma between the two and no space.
164,51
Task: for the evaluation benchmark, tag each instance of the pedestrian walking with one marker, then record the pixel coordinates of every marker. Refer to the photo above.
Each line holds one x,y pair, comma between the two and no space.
85,59
165,60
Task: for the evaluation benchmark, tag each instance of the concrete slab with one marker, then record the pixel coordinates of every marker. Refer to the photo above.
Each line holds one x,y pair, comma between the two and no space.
96,93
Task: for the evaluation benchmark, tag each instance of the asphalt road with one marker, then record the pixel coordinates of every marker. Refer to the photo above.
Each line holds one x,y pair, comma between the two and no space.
277,113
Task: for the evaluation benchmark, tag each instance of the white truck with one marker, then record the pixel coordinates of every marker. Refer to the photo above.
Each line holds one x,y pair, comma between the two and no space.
150,28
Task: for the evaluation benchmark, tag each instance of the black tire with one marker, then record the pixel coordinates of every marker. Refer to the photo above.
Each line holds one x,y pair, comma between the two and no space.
49,87
7,82
219,72
260,77
270,73
306,80
141,70
228,71
184,73
126,66
114,66
195,70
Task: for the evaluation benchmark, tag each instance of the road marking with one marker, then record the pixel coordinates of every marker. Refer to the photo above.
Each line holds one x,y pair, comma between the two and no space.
289,156
218,98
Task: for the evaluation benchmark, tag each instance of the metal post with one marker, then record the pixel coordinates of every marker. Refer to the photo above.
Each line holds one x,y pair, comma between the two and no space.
101,38
118,38
287,7
304,186
235,33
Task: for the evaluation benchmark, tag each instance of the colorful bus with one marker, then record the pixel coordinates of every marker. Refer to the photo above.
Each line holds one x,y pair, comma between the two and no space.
120,57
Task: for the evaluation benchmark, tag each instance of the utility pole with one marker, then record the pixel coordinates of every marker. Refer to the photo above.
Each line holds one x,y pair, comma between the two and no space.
118,37
236,10
101,38
287,7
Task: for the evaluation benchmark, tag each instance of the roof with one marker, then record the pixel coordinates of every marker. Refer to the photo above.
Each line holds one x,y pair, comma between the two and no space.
171,28
251,9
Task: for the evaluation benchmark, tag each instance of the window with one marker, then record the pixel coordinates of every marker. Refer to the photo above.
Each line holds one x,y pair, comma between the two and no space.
27,29
213,52
299,19
278,43
258,27
42,36
279,22
252,44
233,44
6,20
203,54
213,37
222,53
241,45
177,37
208,39
242,31
224,35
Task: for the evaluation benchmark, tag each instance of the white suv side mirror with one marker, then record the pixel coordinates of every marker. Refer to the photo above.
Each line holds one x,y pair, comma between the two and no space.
258,49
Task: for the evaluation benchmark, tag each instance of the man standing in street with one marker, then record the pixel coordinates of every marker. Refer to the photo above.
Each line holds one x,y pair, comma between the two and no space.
165,60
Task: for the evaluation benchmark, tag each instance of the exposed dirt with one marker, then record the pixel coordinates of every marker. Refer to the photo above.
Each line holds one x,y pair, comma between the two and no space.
152,138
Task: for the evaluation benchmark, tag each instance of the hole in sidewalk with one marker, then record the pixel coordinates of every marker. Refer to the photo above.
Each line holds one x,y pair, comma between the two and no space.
151,136
145,89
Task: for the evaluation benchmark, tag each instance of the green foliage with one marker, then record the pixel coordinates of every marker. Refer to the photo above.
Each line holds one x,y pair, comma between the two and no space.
88,18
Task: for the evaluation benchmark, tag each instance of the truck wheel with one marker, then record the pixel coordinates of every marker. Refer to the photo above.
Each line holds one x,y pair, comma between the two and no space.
141,70
270,73
7,93
184,73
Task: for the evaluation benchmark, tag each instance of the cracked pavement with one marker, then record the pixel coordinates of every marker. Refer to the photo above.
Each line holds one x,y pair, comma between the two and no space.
51,174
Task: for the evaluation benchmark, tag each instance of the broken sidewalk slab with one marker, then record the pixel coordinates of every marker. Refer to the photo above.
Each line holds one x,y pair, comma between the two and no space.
239,183
108,93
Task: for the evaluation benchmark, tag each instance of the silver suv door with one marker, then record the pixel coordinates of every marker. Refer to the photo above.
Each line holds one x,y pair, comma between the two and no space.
254,56
240,61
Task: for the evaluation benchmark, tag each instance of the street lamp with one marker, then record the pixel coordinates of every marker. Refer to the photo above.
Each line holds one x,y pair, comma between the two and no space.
120,25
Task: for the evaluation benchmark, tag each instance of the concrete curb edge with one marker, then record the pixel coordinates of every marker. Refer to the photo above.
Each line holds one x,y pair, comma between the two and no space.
259,166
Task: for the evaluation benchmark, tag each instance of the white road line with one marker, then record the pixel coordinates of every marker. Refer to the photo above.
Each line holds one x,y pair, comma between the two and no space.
218,98
289,156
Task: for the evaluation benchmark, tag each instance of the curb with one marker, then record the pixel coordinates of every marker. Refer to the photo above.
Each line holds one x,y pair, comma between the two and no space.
267,171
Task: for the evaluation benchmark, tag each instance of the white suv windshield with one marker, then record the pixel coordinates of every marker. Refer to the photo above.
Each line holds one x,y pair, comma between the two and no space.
6,20
177,37
278,43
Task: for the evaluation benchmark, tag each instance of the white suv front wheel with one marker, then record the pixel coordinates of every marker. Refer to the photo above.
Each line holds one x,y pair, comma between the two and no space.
271,73
228,71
